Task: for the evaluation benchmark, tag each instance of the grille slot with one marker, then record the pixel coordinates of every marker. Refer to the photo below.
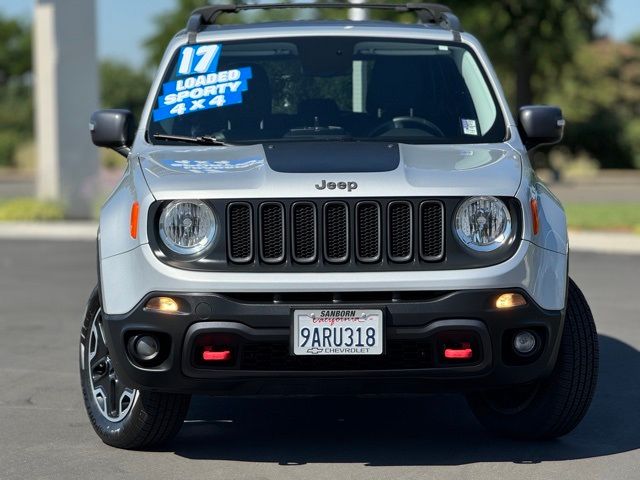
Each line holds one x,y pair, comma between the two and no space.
336,232
240,232
368,232
431,231
400,231
272,232
304,236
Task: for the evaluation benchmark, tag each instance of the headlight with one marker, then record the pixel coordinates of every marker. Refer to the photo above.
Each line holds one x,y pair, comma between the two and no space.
483,223
188,227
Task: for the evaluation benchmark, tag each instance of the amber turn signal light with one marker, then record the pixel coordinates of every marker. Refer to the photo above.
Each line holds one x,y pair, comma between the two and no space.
510,300
535,216
135,211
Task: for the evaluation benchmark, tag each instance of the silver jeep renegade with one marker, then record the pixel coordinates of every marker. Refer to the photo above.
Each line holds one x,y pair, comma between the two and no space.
332,207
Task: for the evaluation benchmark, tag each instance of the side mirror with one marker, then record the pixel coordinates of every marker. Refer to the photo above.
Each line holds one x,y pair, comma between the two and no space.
540,125
114,129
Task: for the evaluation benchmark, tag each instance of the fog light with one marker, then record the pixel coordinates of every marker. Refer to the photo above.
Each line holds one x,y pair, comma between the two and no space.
510,300
162,304
145,348
524,342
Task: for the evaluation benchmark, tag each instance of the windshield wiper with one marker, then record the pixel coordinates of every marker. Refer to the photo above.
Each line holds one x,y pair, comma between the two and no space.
201,140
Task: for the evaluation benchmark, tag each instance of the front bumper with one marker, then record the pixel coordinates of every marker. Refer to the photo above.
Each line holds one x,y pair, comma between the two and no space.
130,276
412,323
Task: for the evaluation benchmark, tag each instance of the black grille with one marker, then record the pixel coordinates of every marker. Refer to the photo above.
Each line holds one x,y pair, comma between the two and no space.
272,232
240,239
400,231
336,234
304,237
368,231
275,356
431,231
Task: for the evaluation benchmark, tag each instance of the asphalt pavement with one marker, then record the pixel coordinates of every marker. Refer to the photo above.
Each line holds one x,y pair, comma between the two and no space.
44,432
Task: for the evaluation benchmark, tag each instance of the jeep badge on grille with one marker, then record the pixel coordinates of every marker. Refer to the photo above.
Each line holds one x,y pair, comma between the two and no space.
348,186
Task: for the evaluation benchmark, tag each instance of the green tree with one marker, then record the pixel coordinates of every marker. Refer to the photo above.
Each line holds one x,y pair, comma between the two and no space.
530,42
123,86
635,39
600,96
15,54
16,112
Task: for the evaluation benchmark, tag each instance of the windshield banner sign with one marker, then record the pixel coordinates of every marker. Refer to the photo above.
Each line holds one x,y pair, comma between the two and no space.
203,89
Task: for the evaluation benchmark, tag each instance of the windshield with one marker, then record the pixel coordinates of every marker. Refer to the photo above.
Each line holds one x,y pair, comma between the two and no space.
328,88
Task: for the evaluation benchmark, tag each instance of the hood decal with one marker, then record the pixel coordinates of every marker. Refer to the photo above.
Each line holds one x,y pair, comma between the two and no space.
211,166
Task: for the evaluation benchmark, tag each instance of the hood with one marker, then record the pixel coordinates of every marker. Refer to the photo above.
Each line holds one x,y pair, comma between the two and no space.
306,169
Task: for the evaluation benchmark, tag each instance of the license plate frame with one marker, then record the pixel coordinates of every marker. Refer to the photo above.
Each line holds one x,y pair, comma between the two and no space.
338,321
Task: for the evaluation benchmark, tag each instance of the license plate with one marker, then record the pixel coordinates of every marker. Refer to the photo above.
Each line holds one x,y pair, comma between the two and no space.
337,332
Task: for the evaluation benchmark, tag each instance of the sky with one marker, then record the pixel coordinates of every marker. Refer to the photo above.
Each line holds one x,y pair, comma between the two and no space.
124,24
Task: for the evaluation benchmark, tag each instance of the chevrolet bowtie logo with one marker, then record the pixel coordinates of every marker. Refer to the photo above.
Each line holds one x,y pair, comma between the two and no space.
314,350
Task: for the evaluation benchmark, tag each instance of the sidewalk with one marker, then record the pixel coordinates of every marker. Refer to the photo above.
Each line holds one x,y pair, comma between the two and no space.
597,242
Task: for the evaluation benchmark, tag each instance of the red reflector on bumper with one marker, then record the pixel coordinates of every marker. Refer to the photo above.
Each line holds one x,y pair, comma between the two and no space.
211,356
465,352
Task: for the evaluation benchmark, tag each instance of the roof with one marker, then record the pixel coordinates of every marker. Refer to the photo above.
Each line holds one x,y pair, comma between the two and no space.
428,14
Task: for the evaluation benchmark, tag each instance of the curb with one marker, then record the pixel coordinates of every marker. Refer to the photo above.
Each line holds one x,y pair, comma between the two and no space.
604,242
580,241
69,231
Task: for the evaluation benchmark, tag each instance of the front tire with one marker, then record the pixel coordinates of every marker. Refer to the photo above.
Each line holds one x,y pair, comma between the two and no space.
554,406
121,416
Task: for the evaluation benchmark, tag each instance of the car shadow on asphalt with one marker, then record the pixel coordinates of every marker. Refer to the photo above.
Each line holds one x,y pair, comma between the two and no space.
425,430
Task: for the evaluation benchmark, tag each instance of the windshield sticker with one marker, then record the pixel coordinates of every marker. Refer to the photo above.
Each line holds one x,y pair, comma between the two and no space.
204,91
203,59
469,127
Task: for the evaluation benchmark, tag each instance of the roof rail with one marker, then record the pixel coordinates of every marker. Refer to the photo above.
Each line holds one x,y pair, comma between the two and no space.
428,13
